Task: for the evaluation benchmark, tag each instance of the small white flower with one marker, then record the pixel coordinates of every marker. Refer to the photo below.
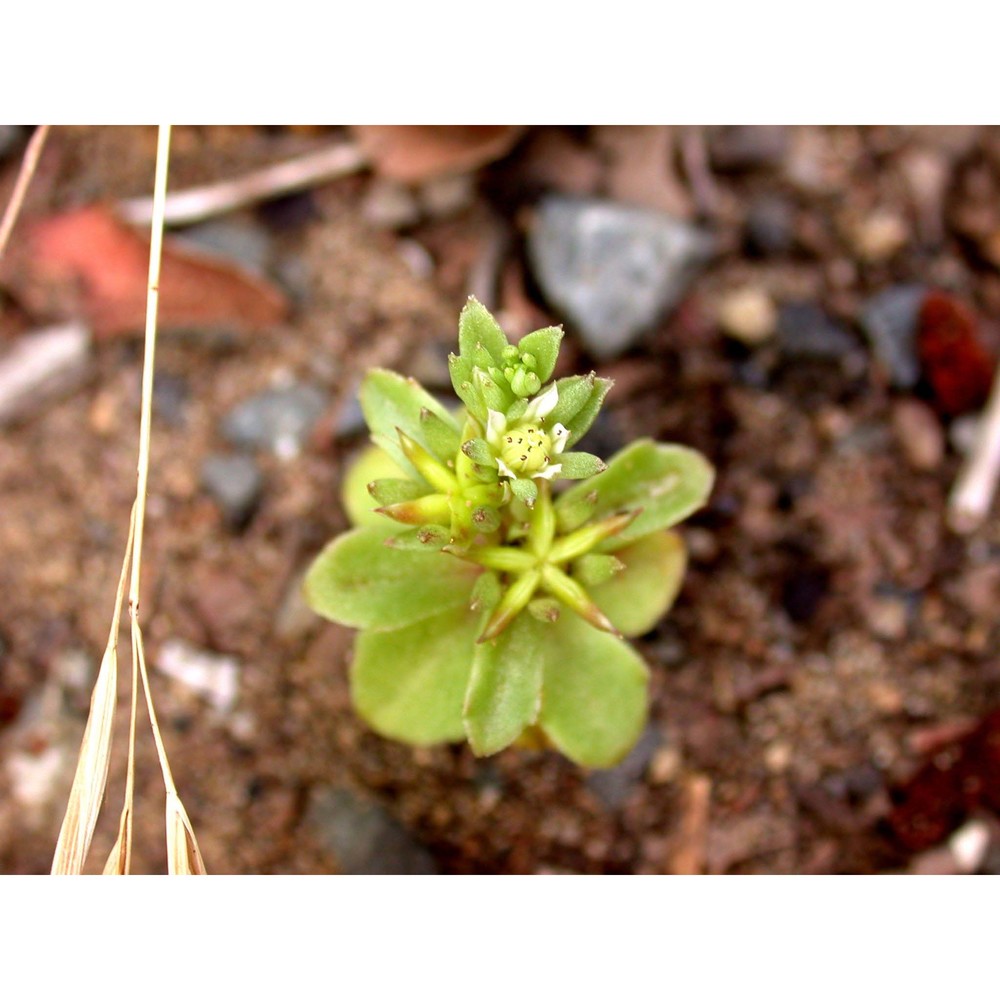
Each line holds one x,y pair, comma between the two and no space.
524,449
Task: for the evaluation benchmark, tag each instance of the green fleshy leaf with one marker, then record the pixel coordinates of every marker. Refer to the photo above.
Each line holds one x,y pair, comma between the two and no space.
425,538
442,437
543,345
516,410
545,609
505,689
479,451
667,482
476,327
574,392
525,490
372,464
391,404
579,465
460,370
580,422
358,581
641,594
596,568
386,492
409,684
486,592
493,394
594,697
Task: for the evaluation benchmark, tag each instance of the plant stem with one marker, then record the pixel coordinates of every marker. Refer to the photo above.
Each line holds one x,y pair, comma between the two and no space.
31,157
152,302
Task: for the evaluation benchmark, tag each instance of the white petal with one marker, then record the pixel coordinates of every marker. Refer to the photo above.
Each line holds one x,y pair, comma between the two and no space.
504,471
550,472
559,435
541,406
496,424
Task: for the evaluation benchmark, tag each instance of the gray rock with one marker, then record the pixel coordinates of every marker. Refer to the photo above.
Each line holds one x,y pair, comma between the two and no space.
10,139
236,484
805,331
363,838
890,321
615,785
237,238
613,269
170,398
770,226
279,420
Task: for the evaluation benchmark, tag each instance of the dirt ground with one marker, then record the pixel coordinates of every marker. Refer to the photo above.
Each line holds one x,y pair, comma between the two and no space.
822,691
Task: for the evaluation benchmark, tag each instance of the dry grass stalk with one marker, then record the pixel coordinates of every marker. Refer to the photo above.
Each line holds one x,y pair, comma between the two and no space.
31,157
90,782
185,207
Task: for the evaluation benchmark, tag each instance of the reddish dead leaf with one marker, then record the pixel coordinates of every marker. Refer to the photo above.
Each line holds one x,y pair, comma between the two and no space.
87,264
415,153
960,777
955,363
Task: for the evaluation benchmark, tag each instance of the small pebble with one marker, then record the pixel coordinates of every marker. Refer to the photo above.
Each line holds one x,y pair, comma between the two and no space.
665,765
890,319
919,433
237,238
362,837
388,204
280,420
880,236
748,314
448,195
807,331
614,785
770,226
235,483
170,396
963,433
211,676
41,366
969,845
778,757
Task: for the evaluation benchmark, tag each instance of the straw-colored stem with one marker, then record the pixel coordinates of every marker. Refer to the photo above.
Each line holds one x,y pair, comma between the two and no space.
149,357
31,157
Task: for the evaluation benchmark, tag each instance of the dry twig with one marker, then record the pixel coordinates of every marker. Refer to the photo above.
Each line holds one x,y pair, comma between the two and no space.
31,157
185,207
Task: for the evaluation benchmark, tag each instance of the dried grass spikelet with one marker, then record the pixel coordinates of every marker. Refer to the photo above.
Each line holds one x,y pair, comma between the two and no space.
91,778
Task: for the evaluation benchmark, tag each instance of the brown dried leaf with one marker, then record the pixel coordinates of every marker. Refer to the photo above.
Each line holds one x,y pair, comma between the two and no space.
87,264
415,153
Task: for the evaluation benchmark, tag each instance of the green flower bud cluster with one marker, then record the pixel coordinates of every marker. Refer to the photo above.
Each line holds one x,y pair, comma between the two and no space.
493,605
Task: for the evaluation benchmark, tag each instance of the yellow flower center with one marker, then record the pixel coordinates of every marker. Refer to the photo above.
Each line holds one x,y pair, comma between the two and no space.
525,449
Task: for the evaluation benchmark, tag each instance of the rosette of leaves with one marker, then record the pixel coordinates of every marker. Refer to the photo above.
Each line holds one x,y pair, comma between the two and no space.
494,606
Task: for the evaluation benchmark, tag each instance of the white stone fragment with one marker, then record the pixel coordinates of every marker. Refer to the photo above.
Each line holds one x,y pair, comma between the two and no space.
212,676
41,365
